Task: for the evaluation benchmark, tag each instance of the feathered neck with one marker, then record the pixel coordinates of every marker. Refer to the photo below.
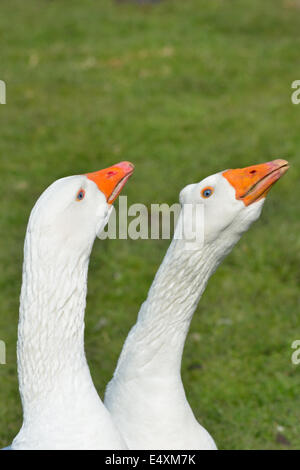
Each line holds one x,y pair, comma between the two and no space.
51,324
146,396
61,407
155,344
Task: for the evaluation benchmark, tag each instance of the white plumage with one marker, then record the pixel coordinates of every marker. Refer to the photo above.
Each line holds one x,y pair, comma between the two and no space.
61,407
146,396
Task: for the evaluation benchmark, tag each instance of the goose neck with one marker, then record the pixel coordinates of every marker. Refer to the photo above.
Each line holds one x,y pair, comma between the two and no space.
51,358
155,344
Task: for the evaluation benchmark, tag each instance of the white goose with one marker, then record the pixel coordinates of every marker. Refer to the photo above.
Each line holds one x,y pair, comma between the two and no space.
61,407
146,396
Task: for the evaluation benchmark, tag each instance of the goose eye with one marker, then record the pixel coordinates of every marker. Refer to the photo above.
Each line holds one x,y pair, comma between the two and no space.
80,195
207,192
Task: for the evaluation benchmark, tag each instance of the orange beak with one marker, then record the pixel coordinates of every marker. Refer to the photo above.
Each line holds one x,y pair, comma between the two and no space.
112,180
253,182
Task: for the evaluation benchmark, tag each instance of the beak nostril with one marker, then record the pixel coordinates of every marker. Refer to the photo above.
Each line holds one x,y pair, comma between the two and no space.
253,171
111,173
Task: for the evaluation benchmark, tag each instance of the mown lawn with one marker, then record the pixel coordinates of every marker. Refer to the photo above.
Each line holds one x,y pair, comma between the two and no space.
183,89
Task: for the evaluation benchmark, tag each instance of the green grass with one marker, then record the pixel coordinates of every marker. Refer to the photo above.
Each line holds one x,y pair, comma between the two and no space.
183,89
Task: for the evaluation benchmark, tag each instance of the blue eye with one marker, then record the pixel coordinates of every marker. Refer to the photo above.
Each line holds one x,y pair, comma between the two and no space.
206,192
80,194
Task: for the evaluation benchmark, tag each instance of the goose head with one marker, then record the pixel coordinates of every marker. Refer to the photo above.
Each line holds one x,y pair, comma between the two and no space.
73,210
230,200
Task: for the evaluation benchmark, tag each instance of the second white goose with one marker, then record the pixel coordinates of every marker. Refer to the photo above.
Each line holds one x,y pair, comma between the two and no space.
146,396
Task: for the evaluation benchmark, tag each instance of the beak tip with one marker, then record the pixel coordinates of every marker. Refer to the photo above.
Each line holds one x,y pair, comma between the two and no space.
127,166
280,162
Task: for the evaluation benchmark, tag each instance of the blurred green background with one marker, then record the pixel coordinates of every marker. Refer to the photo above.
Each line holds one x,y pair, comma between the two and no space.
183,89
